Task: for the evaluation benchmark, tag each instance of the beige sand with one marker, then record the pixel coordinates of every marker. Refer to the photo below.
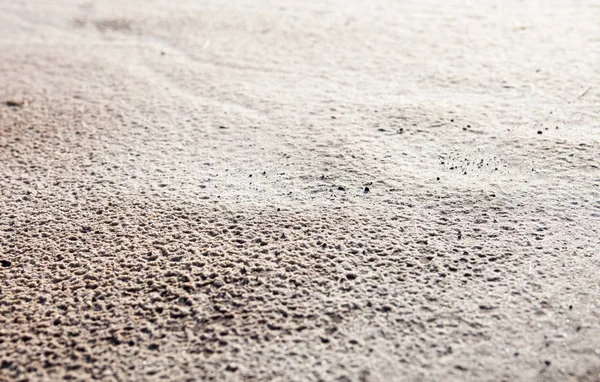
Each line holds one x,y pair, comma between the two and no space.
183,190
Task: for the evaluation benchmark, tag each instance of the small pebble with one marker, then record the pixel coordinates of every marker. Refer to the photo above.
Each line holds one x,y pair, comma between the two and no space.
11,103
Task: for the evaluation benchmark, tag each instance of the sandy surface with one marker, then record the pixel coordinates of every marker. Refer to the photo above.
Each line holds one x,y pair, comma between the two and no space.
183,192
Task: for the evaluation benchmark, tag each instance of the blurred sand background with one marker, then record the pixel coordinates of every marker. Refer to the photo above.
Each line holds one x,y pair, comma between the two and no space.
300,191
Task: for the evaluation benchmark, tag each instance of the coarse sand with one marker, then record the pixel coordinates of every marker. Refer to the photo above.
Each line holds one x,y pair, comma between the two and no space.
334,190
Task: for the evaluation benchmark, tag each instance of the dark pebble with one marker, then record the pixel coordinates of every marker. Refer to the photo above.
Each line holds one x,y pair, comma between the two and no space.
539,131
5,263
14,103
548,363
367,190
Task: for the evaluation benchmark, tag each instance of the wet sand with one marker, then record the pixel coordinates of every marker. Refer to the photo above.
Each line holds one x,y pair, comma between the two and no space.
300,191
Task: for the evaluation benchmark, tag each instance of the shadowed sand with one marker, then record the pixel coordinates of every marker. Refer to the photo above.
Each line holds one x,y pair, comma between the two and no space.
299,191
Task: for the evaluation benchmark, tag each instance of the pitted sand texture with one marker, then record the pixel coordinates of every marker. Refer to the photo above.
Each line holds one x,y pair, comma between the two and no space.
300,190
